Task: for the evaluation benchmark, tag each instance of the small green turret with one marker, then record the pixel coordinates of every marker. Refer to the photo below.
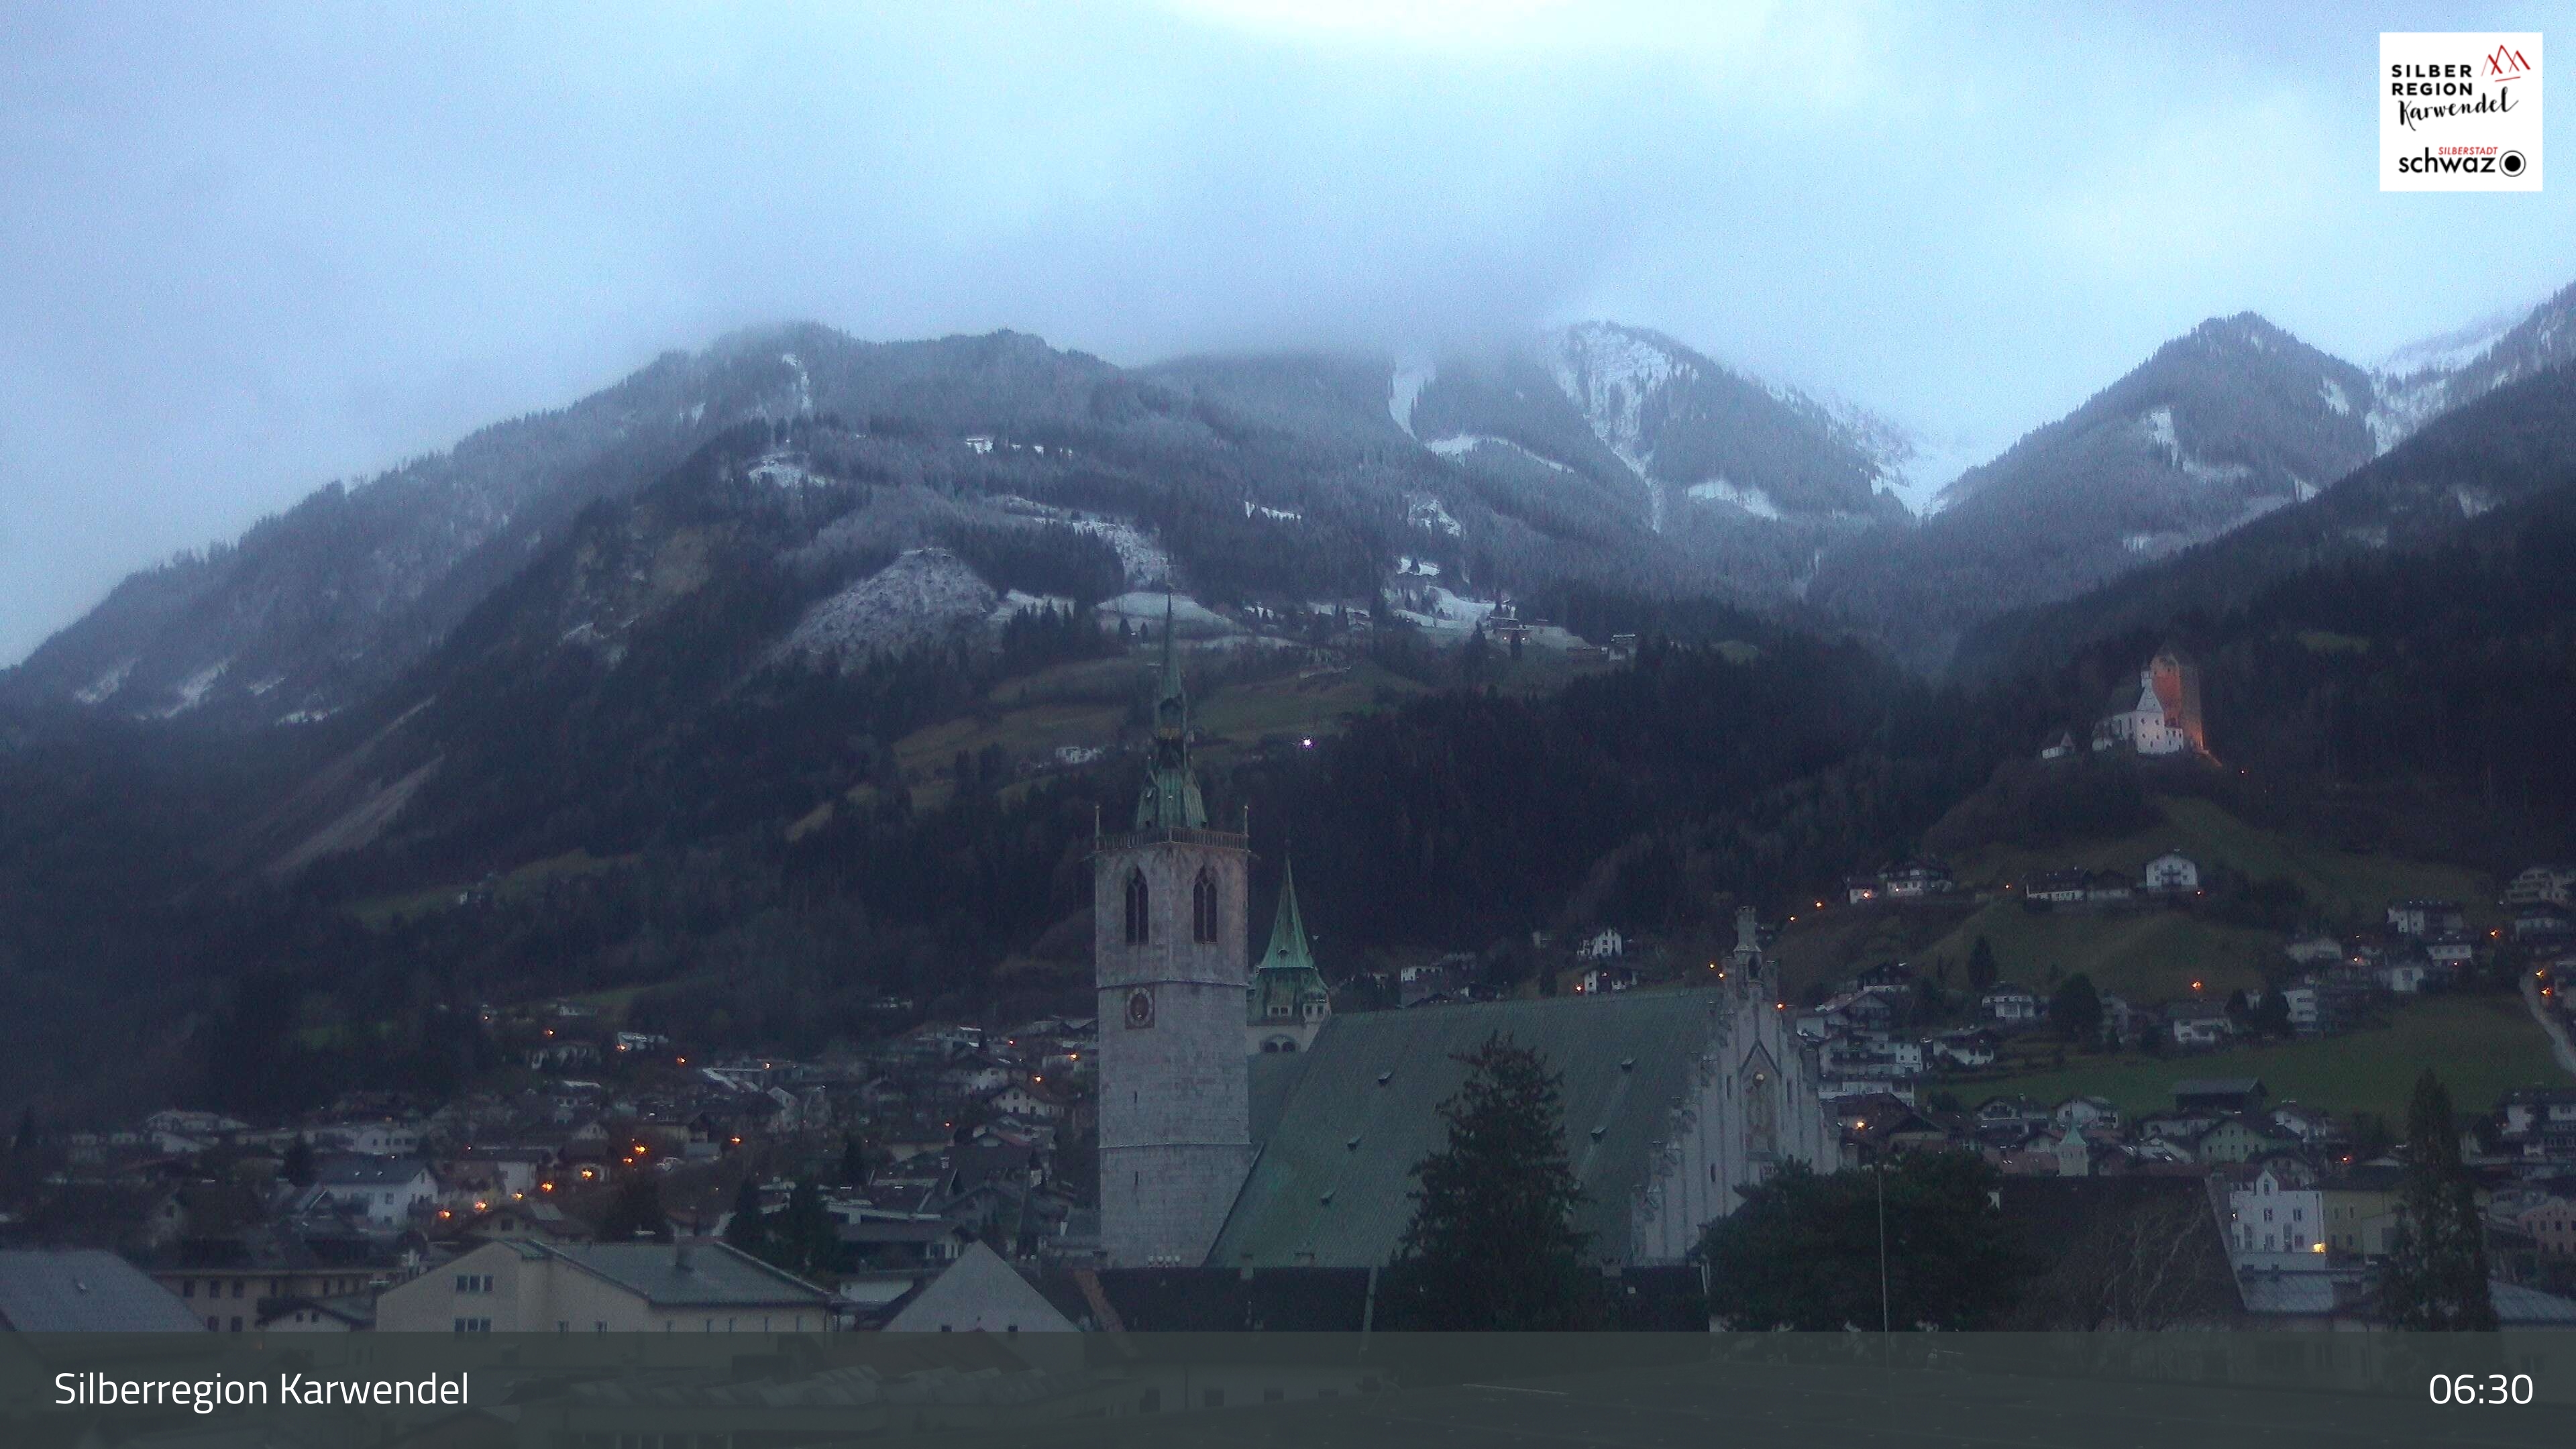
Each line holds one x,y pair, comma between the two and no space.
1289,1000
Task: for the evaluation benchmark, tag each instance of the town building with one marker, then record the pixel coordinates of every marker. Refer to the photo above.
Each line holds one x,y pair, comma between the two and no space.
2542,922
2543,885
2172,873
2421,918
2552,1226
525,1286
979,1293
1915,879
84,1290
385,1191
2277,1210
2009,1005
2361,1205
2068,887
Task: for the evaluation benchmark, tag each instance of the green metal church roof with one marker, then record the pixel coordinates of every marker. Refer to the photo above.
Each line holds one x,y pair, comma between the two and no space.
1340,1126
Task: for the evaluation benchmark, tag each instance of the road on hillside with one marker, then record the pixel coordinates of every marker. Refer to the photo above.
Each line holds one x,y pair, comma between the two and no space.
2550,1022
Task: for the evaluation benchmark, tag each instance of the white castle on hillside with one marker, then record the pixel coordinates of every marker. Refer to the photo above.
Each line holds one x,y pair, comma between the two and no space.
2165,720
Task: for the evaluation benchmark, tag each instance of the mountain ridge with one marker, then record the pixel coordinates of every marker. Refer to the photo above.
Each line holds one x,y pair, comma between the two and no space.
1597,451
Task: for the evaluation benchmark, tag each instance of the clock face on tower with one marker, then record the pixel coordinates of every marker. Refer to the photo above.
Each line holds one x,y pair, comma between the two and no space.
1140,1007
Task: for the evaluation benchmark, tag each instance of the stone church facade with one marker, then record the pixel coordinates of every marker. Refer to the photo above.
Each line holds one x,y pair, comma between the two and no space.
1242,1125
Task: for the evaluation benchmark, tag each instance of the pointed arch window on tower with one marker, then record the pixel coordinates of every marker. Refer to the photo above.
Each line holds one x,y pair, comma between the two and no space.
1139,917
1203,909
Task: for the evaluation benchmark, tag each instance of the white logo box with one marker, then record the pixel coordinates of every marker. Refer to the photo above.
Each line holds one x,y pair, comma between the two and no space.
2459,111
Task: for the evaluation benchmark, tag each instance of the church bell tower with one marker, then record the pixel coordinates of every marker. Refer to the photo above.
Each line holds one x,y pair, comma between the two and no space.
1168,951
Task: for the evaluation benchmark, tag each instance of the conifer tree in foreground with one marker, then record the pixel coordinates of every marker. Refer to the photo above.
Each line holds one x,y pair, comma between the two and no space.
1492,1244
746,1229
2436,1274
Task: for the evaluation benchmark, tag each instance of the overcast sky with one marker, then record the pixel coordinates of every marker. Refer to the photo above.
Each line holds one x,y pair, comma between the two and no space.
246,251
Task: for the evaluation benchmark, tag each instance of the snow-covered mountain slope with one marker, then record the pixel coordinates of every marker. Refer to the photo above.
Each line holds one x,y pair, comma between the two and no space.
924,596
2479,471
2423,380
1677,420
316,608
2221,426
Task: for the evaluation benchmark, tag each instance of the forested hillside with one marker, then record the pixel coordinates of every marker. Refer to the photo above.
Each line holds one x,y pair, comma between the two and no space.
2231,422
2517,443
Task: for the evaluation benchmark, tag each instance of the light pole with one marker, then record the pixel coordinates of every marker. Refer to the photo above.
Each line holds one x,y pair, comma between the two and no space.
1880,1178
1878,1182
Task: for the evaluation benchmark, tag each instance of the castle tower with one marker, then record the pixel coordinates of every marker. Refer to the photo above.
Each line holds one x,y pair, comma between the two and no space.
2176,682
1169,945
1289,1000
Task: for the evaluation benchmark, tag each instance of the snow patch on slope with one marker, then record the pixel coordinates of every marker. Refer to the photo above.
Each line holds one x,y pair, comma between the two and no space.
1403,389
1145,606
2158,426
1138,554
2450,351
804,384
99,689
1421,510
193,689
1607,373
1462,444
1444,615
926,595
1920,477
2333,395
1015,602
786,470
2412,385
1751,500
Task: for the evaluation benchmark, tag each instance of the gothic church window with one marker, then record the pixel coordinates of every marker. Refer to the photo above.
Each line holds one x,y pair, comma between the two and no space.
1203,909
1139,922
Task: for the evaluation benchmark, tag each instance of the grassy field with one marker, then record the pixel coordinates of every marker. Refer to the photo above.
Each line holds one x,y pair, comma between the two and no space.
2148,955
2338,882
2481,1046
1033,730
1310,703
1825,946
1087,704
2143,956
384,910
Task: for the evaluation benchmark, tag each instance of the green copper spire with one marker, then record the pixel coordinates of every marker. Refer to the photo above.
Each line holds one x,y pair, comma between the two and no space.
1288,931
1171,798
1288,993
